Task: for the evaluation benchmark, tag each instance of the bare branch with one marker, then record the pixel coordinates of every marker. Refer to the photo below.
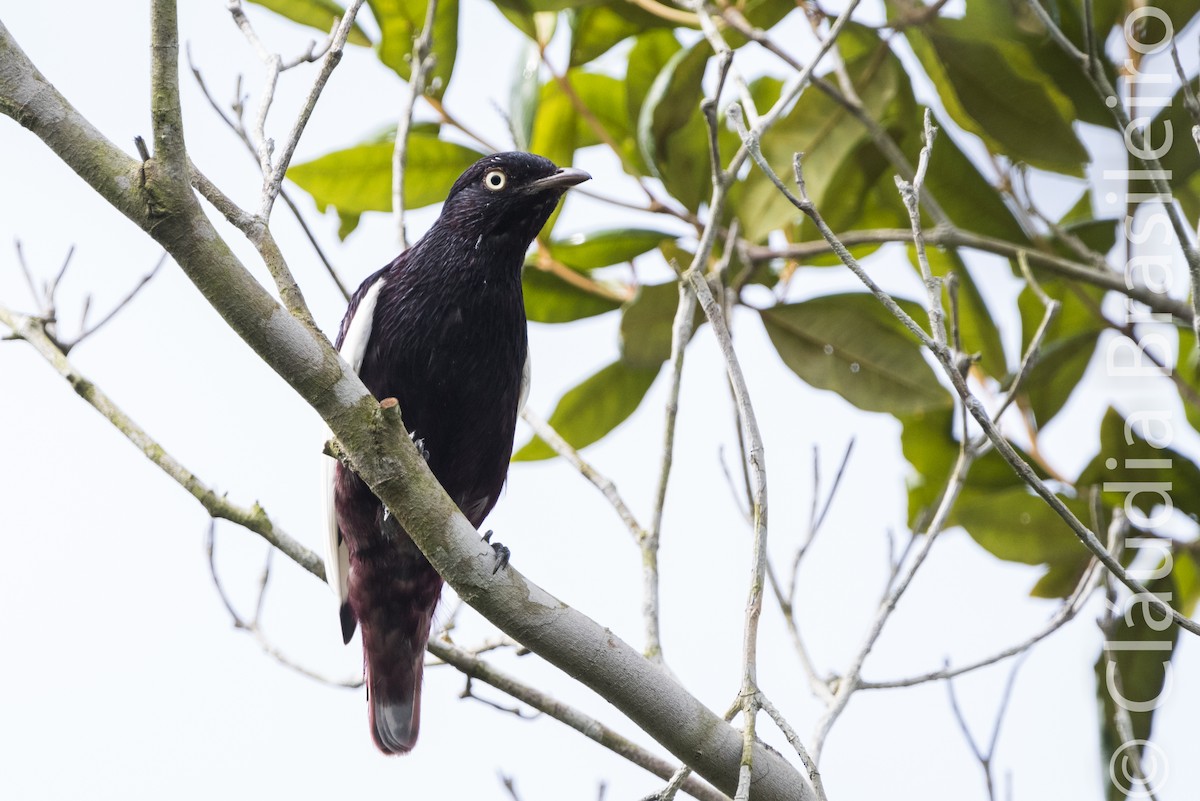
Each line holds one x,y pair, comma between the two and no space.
476,668
273,180
852,680
422,63
951,237
217,505
86,332
950,367
910,192
1094,71
252,626
166,114
563,448
242,135
985,757
1065,613
810,764
256,230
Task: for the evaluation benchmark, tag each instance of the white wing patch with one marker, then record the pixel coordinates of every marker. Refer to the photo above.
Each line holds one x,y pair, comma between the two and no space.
353,350
526,379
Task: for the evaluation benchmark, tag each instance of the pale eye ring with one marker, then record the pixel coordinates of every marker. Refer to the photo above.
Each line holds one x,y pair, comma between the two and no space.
495,180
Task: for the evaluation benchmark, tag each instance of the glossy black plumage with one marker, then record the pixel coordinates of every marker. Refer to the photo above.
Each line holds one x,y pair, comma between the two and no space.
446,337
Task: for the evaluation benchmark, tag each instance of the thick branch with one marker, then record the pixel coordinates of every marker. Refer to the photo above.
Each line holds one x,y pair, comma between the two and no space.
166,114
373,440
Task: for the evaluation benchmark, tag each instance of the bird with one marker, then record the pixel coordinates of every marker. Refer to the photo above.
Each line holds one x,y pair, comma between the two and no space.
442,330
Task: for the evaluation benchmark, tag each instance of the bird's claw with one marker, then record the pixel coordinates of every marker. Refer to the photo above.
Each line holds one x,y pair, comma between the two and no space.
420,443
502,553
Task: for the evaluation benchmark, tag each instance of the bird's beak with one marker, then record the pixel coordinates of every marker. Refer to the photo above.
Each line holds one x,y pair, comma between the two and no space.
562,180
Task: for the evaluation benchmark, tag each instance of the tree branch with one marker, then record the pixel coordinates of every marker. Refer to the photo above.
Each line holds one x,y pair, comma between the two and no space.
471,665
422,63
166,114
372,439
253,518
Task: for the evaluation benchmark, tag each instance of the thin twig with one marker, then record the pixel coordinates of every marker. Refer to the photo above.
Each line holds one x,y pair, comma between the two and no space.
602,482
217,505
950,237
852,679
982,756
681,333
471,665
252,626
244,137
793,738
1093,70
273,180
121,304
422,64
1064,614
950,367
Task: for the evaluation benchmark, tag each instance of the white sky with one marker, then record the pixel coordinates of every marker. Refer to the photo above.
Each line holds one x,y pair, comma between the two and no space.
122,676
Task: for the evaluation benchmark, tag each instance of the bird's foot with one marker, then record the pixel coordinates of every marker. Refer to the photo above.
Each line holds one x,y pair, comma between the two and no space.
420,443
501,552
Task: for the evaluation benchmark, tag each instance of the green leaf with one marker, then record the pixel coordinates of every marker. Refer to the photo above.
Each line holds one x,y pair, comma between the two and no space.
671,132
1017,23
1179,158
650,53
1186,572
400,23
594,249
765,14
841,164
1189,370
1067,348
1181,12
524,96
1016,525
559,130
1059,580
992,87
595,29
1131,471
520,14
359,178
347,222
604,98
555,130
1057,372
852,345
550,299
1079,221
969,199
1139,652
647,324
319,14
589,411
928,441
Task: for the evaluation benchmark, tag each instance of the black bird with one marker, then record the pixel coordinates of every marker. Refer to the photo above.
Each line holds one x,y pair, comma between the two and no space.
441,329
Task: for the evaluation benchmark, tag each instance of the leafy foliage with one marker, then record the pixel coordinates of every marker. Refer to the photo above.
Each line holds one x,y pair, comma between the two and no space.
1009,101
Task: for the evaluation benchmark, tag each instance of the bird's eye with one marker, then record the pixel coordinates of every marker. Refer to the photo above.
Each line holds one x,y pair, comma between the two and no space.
495,180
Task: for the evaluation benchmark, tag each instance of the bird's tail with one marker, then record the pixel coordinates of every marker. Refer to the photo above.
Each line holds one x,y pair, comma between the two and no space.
394,696
395,602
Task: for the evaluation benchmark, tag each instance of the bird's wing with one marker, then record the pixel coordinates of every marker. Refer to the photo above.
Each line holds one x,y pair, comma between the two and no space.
526,378
355,334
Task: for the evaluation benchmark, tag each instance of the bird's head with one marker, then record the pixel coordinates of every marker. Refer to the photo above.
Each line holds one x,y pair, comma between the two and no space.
503,200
